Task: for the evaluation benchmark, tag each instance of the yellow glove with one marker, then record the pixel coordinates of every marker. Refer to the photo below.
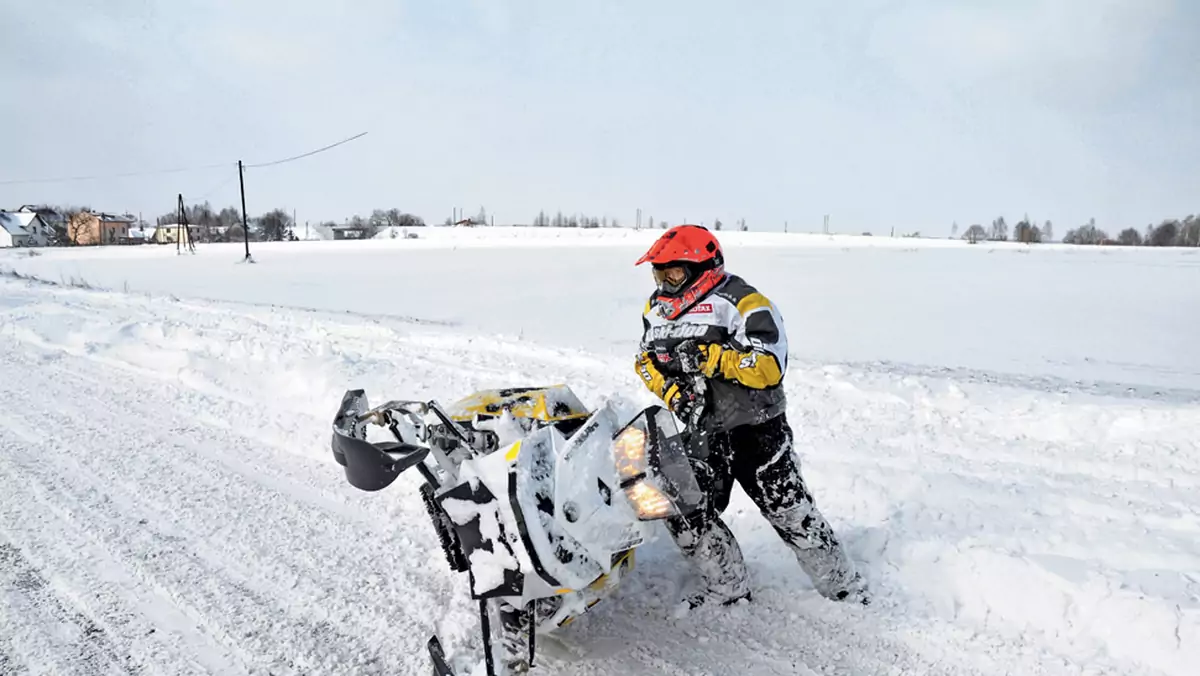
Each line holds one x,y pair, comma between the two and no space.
755,369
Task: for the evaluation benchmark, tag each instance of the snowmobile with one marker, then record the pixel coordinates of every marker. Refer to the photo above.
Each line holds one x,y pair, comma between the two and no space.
539,500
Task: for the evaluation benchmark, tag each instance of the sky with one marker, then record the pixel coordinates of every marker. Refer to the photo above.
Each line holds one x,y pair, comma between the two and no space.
879,113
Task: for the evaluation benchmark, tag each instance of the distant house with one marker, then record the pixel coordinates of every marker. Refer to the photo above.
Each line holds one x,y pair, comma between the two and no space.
168,233
56,222
351,231
12,233
89,227
24,228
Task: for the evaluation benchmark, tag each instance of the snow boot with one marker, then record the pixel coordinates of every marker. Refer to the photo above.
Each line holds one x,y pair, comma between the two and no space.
819,553
714,553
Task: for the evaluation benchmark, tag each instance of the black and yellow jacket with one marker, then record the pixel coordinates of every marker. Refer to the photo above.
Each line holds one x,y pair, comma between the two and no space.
742,335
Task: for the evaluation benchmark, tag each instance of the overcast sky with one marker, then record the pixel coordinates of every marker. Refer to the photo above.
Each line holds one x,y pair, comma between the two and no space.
885,114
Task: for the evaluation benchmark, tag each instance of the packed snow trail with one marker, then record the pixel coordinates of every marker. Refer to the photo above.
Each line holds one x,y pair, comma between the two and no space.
170,506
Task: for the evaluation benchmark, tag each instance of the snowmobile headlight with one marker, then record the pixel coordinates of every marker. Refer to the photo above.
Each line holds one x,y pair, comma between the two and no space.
649,502
629,453
652,468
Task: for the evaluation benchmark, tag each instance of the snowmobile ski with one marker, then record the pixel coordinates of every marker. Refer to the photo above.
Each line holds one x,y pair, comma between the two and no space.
438,656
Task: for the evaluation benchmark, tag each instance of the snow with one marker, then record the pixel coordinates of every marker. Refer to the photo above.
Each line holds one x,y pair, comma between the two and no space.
1007,437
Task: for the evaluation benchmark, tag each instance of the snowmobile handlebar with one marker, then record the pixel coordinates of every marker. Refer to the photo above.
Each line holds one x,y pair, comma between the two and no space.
372,466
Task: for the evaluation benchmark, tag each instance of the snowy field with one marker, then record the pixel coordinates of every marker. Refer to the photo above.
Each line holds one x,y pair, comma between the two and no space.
1008,439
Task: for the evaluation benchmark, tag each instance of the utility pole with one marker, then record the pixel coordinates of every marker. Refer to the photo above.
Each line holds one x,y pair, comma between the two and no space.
183,229
179,216
245,225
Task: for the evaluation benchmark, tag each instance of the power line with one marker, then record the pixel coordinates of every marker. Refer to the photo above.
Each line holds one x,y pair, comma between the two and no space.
208,193
242,184
153,172
157,172
311,152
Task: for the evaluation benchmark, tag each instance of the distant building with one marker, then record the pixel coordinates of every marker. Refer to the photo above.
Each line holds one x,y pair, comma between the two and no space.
351,231
168,233
12,233
89,227
24,228
56,222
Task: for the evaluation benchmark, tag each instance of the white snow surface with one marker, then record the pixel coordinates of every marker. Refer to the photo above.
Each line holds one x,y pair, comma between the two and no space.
1007,438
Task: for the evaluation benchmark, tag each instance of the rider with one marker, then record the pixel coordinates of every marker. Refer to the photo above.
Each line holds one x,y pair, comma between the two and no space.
714,350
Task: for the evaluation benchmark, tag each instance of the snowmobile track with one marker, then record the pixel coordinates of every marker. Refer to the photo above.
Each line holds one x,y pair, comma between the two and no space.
88,648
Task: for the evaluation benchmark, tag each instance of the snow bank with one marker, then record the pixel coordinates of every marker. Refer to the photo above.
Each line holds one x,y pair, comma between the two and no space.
1109,319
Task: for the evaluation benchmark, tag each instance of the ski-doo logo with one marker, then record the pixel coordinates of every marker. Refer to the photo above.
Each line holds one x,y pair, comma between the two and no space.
703,309
666,331
646,373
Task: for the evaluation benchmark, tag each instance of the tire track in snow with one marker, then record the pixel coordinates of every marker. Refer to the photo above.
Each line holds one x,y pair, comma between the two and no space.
310,601
81,544
78,645
95,576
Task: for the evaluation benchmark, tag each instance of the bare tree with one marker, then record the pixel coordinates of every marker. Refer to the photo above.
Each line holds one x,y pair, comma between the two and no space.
999,230
229,217
975,233
1086,234
79,223
369,229
1026,232
1130,237
276,225
1189,234
1166,234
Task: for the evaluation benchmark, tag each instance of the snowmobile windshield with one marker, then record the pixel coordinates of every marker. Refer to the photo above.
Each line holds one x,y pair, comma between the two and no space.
586,499
670,470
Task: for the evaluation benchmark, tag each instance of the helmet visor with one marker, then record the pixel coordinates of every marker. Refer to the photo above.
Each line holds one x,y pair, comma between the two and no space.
670,278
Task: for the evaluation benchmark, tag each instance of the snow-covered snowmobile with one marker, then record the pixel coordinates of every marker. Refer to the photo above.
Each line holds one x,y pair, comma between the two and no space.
539,500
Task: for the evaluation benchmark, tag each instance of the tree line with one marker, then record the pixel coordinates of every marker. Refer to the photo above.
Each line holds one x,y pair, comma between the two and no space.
1026,230
370,226
276,225
576,220
1170,232
579,220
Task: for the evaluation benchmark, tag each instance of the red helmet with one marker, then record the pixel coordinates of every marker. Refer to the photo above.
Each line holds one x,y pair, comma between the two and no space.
684,243
693,248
